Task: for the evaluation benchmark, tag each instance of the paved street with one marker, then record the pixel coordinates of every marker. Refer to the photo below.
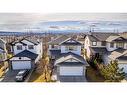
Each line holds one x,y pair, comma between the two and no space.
10,76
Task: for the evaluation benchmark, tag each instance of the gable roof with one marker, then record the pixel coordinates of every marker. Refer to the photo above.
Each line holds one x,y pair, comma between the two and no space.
69,55
98,49
28,54
34,41
100,36
59,39
115,38
117,53
70,41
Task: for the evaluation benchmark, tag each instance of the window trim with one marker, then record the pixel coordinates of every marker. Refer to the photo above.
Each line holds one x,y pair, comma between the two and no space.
18,46
111,45
30,48
68,48
93,43
120,45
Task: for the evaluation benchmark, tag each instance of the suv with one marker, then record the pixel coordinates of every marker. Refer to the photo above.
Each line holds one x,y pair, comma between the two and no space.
21,75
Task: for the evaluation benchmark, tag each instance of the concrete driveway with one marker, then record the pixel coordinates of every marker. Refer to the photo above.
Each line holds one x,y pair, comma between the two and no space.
72,79
10,76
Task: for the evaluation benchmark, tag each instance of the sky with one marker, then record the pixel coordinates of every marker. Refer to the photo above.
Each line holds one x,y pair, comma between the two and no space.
21,21
33,17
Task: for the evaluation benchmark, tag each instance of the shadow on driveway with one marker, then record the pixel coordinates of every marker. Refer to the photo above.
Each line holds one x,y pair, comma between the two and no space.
10,76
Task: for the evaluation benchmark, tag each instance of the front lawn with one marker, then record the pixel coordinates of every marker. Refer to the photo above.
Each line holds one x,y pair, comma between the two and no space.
93,76
36,77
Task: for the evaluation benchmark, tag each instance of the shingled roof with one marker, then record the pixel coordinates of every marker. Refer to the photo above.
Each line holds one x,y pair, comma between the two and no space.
59,39
65,56
34,41
70,41
100,36
28,54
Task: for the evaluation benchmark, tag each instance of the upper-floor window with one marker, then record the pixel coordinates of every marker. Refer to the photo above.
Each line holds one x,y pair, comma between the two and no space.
71,48
52,46
103,43
19,47
30,47
94,43
112,45
120,45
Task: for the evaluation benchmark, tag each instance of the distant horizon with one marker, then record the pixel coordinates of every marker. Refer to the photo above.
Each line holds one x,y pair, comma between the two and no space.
62,21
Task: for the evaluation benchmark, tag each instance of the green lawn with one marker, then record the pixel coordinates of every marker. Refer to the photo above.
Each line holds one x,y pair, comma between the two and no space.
93,75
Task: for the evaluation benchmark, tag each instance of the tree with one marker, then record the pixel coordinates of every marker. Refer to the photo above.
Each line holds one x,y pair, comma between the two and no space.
112,72
43,67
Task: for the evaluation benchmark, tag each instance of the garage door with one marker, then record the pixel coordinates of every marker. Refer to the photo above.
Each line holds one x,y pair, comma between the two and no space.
71,71
16,65
123,66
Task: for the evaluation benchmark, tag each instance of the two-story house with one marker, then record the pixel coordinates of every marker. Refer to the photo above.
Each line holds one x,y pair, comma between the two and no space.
108,46
54,46
69,63
26,53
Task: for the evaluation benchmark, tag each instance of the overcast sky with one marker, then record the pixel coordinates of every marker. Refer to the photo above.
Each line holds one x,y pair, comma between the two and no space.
28,18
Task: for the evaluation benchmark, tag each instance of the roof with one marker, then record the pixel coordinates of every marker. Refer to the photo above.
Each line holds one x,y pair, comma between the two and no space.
98,49
59,39
34,41
69,55
122,58
70,41
28,54
100,36
117,53
115,38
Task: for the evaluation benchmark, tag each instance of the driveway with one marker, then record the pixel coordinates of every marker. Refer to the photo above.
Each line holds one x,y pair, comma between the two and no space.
72,79
10,76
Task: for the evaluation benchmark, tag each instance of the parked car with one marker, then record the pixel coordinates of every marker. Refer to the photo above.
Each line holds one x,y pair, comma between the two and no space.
21,76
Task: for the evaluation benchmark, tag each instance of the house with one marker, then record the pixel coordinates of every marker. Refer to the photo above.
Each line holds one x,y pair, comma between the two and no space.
95,43
108,46
26,53
68,61
54,46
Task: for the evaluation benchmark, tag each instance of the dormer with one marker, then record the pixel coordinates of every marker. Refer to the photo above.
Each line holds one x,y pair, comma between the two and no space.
71,45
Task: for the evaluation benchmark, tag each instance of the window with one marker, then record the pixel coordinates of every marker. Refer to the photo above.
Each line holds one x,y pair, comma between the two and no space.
19,47
119,45
30,47
71,48
103,43
112,45
94,43
52,46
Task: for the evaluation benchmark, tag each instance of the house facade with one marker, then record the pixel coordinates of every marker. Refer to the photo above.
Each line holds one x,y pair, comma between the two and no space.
108,46
26,53
68,61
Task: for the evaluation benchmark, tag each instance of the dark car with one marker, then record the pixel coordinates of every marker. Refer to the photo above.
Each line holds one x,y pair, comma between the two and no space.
21,75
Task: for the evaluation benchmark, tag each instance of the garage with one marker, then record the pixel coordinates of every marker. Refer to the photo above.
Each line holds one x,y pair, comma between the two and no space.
71,71
16,65
123,66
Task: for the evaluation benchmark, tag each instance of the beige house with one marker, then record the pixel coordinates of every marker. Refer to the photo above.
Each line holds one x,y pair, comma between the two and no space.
108,46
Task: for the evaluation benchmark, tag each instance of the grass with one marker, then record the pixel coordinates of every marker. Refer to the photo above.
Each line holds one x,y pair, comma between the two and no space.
36,77
93,75
1,71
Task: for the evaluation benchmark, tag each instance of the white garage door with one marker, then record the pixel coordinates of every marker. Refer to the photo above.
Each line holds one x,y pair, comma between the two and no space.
71,71
16,65
123,66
